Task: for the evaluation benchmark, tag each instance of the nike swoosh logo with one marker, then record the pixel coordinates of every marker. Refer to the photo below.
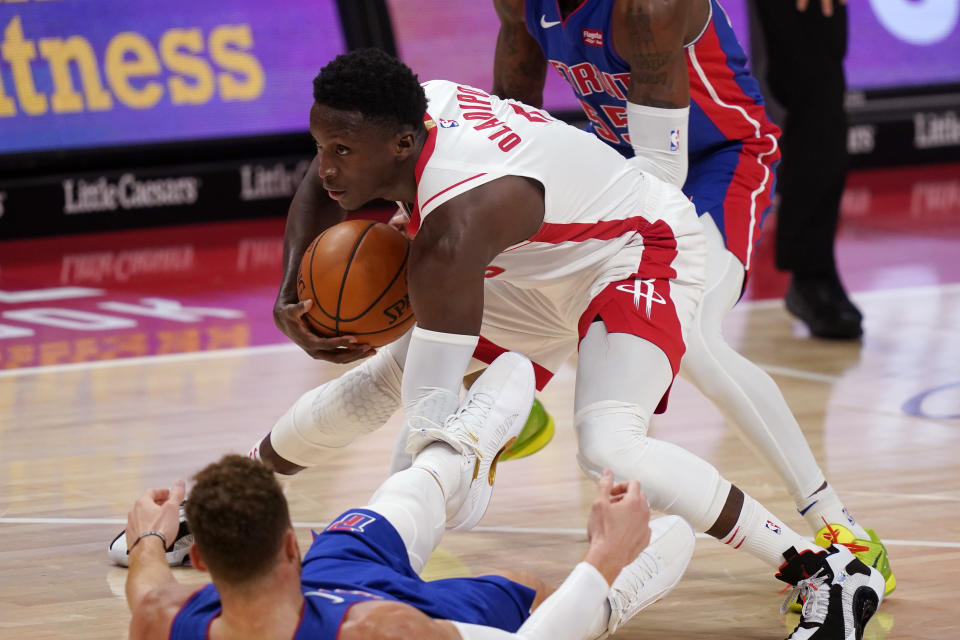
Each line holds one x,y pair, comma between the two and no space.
547,25
804,512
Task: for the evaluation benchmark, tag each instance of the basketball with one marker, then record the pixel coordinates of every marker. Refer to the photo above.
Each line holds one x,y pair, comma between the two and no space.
356,274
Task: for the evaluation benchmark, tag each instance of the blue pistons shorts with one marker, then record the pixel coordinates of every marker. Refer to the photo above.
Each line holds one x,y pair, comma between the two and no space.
362,551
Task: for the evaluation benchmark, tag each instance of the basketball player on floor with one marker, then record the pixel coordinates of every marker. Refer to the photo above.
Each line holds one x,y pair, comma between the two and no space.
535,237
630,62
359,578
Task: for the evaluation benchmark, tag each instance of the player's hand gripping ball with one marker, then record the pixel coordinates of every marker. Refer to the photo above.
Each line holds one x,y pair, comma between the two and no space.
356,274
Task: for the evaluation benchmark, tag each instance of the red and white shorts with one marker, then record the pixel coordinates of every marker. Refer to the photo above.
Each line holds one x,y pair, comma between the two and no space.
656,302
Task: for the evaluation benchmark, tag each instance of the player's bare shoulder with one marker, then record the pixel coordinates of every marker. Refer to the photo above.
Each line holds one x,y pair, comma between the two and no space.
154,614
392,620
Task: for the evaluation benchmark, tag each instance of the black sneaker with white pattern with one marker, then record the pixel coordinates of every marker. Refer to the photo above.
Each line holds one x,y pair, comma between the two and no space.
177,553
839,593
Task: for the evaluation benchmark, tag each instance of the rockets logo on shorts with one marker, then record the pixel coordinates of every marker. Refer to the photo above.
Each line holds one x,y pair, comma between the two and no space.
643,289
352,522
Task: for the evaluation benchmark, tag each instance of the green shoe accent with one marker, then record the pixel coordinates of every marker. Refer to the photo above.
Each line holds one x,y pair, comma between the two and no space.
883,563
870,552
535,435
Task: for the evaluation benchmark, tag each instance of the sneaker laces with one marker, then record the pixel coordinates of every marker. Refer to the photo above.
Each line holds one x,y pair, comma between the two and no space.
816,600
470,418
632,580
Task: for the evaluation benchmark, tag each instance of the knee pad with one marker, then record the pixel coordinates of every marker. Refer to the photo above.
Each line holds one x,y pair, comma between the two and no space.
339,411
613,435
603,429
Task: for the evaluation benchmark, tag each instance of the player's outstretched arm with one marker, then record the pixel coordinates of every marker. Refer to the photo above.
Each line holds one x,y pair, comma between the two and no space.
153,594
519,66
311,211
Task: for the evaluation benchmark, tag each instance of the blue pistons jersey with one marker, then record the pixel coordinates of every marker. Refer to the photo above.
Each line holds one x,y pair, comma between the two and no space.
732,144
360,557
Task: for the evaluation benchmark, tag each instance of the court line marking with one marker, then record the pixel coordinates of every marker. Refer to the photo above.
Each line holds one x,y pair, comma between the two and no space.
292,348
565,531
800,374
157,359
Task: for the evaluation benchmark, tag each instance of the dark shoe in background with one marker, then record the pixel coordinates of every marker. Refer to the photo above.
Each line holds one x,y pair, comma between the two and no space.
822,304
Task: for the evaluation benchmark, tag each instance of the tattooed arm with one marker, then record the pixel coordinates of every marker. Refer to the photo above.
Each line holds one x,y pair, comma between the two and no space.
519,67
650,35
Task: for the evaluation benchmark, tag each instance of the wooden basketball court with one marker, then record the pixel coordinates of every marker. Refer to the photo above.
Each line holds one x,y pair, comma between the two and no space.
82,436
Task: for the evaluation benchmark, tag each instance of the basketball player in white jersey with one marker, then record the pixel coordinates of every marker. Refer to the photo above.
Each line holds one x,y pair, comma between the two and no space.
532,236
653,72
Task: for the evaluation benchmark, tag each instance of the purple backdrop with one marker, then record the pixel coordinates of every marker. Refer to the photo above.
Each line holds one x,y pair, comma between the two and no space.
892,42
289,42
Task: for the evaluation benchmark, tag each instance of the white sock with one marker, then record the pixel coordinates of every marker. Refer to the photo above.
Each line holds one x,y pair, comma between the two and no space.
762,535
433,375
824,507
416,501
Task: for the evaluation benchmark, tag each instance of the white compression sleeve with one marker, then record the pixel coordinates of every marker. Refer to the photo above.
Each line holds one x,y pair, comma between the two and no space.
339,411
659,139
433,375
561,616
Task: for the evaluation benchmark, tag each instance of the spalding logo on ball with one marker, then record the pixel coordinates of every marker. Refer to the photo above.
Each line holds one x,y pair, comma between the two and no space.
356,274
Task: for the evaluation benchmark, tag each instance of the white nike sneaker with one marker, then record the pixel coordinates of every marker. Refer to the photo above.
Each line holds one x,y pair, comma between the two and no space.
654,573
487,422
178,553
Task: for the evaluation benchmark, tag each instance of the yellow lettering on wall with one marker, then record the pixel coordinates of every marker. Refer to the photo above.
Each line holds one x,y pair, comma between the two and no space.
229,337
54,352
226,48
61,53
184,341
172,46
19,52
21,355
120,70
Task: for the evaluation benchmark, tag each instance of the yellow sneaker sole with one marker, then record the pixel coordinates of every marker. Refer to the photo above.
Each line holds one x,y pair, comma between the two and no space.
536,434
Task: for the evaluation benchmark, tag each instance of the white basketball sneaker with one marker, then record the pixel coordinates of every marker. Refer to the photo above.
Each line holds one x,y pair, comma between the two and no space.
487,422
654,573
178,553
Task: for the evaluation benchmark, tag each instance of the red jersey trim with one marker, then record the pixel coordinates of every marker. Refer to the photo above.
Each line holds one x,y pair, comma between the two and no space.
425,153
440,193
488,351
552,233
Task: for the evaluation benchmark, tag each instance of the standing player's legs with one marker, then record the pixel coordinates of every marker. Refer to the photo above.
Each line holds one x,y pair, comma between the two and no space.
749,398
621,379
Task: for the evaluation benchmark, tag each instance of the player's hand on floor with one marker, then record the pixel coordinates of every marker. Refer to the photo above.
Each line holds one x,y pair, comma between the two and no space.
618,525
340,350
156,510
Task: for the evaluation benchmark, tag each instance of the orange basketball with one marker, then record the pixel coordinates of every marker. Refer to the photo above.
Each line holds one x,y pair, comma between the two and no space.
356,274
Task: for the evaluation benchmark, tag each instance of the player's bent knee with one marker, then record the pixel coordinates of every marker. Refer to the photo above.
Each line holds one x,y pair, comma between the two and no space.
605,430
339,411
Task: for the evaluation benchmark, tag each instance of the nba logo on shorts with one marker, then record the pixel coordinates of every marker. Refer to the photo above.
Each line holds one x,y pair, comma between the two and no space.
674,140
351,522
773,526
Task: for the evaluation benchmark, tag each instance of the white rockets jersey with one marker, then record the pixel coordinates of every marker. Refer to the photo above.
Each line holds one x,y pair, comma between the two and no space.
596,202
